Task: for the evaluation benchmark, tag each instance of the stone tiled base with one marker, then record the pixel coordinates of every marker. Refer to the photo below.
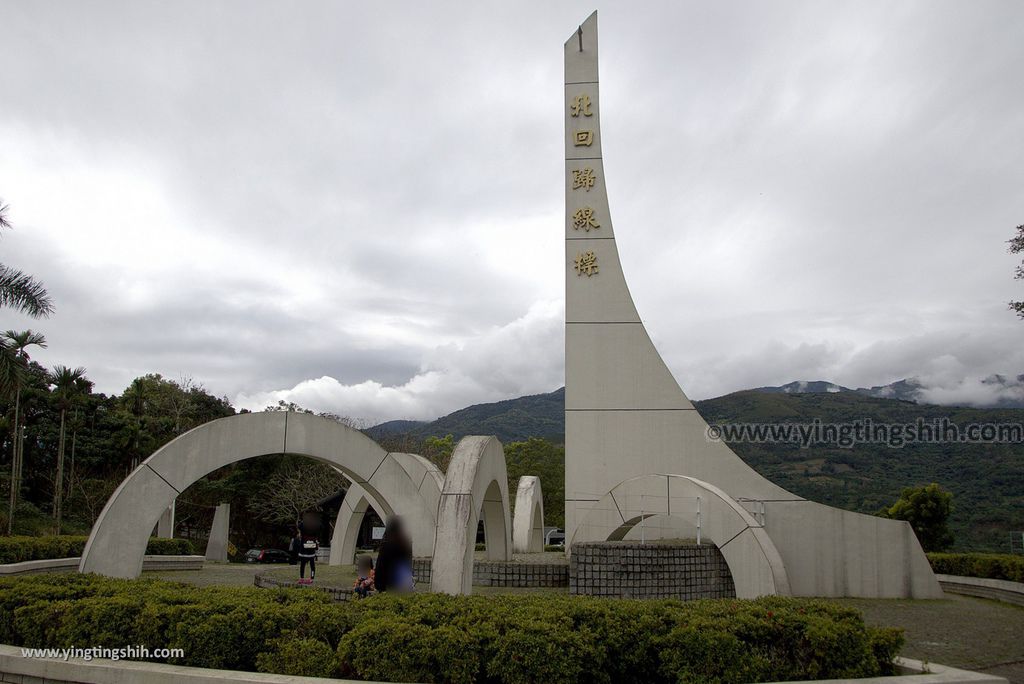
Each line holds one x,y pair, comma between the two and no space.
657,570
504,574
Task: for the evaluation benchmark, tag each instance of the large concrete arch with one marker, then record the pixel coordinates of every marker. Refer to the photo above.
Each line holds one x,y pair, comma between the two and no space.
626,416
528,520
756,565
419,513
118,539
476,484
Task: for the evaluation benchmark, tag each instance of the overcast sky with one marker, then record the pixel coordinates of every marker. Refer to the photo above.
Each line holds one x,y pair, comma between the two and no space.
358,207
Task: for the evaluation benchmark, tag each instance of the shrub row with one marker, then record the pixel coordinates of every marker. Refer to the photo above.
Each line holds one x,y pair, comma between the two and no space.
18,549
991,565
434,638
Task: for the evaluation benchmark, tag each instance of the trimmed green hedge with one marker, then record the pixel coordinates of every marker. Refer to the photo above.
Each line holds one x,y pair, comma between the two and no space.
990,565
18,549
433,637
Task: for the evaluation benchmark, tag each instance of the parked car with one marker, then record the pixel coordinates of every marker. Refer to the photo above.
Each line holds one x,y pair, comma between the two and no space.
267,556
554,537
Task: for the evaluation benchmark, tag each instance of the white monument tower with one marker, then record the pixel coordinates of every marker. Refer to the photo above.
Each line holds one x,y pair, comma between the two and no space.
629,428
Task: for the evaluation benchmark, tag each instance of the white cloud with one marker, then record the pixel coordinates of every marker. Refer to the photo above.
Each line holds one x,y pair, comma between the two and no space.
520,358
283,203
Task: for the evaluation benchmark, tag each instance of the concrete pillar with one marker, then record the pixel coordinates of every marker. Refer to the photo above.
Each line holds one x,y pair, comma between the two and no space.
217,546
165,526
476,484
528,521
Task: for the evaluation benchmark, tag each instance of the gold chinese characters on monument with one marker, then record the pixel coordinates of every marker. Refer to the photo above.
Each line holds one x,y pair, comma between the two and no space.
586,263
583,178
581,105
584,218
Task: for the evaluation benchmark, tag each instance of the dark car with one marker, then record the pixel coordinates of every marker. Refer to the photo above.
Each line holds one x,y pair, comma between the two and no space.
267,556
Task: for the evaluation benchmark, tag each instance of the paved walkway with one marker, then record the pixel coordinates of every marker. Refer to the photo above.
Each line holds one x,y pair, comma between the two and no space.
960,631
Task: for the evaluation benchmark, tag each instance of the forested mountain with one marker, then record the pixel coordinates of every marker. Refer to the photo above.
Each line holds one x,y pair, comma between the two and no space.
985,478
108,435
535,415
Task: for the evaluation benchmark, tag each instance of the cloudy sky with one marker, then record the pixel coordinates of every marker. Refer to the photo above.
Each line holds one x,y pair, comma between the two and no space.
358,206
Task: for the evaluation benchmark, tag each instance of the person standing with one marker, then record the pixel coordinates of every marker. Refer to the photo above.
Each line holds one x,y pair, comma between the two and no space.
394,560
308,546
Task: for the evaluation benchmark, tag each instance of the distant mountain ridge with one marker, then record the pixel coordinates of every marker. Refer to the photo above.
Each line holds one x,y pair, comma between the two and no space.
543,415
511,420
1005,392
984,478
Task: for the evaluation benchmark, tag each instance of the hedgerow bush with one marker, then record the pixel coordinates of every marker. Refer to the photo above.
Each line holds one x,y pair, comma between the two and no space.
990,565
463,639
18,549
160,546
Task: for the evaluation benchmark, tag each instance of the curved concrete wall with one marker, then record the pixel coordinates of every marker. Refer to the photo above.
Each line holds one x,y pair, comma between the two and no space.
756,565
528,520
418,510
476,484
626,416
118,539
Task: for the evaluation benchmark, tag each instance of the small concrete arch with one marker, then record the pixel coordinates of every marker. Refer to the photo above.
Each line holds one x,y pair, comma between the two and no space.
528,521
753,560
419,514
476,484
117,542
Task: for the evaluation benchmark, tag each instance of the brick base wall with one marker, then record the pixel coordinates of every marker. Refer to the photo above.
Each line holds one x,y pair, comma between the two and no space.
658,570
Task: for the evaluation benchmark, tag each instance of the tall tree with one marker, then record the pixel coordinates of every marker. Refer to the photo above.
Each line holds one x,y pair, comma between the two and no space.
289,492
19,342
1016,247
927,509
23,293
68,385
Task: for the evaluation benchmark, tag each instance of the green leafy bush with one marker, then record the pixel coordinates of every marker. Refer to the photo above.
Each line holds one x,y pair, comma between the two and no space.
990,565
302,657
159,546
18,549
508,639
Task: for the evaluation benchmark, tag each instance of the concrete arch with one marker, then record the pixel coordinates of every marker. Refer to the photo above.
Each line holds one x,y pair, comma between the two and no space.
118,539
476,484
528,521
419,513
756,565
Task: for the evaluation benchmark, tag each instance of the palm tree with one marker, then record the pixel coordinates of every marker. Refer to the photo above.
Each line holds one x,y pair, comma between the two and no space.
24,293
19,290
18,342
68,384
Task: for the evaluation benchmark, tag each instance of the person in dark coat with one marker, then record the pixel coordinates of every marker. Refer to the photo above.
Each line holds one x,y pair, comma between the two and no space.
309,544
394,560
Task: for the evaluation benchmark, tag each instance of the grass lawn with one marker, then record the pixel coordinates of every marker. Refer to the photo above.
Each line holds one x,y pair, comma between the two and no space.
229,574
960,631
